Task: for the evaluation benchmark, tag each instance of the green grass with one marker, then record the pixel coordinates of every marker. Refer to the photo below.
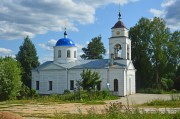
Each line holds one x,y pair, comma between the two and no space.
157,91
174,102
94,103
91,98
118,111
125,115
163,103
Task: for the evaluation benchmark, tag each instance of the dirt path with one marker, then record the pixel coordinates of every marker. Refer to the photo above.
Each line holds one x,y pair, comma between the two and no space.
47,110
141,98
39,110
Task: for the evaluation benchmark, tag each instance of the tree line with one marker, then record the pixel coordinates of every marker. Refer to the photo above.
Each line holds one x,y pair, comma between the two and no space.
155,54
15,73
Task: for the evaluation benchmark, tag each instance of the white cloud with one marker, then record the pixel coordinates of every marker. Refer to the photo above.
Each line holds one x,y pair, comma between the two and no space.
170,12
79,50
52,42
49,45
46,58
167,3
19,18
107,53
4,51
156,12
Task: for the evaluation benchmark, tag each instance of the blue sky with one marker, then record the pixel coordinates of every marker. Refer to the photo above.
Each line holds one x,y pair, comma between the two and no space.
44,21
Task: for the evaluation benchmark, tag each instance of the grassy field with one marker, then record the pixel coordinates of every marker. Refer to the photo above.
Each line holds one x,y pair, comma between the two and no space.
52,107
112,111
118,111
174,102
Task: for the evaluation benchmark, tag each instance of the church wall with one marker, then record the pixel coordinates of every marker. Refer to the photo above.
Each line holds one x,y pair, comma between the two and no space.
74,74
61,80
35,77
119,75
132,82
58,78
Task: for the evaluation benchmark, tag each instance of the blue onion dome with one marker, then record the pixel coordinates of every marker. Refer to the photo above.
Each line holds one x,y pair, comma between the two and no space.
65,41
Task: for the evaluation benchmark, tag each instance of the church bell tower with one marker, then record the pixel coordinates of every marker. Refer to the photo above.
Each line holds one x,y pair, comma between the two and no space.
119,42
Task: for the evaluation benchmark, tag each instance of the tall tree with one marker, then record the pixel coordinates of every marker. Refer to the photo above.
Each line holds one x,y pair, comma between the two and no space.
152,50
94,50
27,56
89,80
10,78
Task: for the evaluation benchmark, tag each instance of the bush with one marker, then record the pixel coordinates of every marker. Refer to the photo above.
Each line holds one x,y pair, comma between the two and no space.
10,78
174,91
177,83
167,84
150,91
66,91
24,93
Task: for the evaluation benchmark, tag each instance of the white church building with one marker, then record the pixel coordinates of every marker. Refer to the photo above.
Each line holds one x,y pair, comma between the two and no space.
117,74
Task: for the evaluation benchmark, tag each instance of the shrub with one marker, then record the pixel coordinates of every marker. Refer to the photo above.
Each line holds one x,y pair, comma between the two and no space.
167,84
10,78
66,91
24,93
174,91
150,91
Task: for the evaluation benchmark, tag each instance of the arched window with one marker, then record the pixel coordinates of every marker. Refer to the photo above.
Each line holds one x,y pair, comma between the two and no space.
68,54
74,54
59,53
128,52
115,85
117,51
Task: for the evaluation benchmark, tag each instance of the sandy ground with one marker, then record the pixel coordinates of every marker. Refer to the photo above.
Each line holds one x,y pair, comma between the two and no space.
29,110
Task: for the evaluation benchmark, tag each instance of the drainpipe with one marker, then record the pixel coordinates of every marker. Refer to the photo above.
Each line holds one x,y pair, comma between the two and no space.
67,78
126,83
112,60
108,85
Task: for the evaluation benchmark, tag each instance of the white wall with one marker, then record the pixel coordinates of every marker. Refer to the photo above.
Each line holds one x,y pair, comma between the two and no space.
61,81
58,78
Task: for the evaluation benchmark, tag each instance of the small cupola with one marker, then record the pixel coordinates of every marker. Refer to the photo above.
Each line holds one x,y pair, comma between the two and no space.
65,50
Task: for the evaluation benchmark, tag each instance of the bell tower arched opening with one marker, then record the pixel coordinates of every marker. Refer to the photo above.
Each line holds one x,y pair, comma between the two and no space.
128,52
118,51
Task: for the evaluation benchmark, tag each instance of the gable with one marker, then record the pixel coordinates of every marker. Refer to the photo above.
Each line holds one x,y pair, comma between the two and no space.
131,66
51,66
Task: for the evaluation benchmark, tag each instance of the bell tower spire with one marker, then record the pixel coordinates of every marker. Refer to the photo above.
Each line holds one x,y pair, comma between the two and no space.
119,13
119,42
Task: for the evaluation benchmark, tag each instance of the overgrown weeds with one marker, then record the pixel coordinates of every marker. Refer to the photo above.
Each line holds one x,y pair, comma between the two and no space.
87,97
118,111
